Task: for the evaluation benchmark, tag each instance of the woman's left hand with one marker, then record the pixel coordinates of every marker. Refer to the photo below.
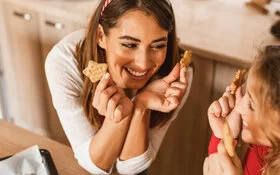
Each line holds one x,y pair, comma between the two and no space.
164,94
221,163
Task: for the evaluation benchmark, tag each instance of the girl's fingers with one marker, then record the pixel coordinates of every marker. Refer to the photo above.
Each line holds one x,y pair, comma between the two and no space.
183,75
206,166
225,161
215,109
238,94
228,88
225,106
221,148
112,104
214,166
230,97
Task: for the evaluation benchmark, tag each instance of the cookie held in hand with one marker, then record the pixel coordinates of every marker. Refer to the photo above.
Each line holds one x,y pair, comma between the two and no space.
186,60
95,71
228,139
238,80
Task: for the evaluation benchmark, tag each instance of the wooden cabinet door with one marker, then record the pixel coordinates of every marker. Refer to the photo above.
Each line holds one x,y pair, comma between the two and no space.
185,145
52,30
224,75
25,64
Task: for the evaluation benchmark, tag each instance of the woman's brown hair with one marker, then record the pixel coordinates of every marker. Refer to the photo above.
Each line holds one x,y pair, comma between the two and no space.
266,75
88,48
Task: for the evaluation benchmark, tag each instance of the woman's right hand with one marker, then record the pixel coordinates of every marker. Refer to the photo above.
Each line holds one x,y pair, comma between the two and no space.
110,101
224,108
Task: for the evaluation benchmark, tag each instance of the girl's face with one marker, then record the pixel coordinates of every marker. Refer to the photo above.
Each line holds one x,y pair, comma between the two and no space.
135,49
249,108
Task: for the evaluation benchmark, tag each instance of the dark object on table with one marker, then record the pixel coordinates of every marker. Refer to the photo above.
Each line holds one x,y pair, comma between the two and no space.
46,155
275,29
47,160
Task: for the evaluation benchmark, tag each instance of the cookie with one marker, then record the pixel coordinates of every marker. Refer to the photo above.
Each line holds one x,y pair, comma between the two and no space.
95,71
238,80
186,60
228,139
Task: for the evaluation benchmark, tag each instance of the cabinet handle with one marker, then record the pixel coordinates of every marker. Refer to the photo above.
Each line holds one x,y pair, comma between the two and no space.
25,16
56,25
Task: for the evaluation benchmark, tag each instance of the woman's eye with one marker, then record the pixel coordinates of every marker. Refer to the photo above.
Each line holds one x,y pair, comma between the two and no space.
130,46
157,47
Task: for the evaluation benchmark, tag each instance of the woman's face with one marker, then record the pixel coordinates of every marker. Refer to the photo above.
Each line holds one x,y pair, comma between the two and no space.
249,108
135,49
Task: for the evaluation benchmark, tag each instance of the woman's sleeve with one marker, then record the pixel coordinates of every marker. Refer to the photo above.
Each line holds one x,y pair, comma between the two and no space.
156,135
65,84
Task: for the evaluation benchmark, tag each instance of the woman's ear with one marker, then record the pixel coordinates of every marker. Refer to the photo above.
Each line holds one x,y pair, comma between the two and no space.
101,37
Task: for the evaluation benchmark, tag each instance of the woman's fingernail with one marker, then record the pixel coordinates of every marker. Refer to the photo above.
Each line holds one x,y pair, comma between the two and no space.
107,75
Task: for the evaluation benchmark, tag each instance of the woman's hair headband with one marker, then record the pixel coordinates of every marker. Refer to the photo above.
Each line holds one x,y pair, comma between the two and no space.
107,2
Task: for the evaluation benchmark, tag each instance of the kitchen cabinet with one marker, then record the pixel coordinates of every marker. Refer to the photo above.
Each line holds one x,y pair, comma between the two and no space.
24,77
29,36
224,74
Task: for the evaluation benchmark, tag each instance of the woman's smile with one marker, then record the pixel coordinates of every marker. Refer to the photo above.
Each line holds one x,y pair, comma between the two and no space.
137,74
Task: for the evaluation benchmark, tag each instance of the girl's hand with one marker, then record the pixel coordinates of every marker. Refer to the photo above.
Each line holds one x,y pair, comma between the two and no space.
221,163
110,101
164,94
222,108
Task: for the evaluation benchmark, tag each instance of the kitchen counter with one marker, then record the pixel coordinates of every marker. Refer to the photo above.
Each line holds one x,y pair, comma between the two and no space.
14,139
222,30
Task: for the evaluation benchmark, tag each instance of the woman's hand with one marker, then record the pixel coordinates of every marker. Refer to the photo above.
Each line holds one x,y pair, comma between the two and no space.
222,108
164,94
221,163
110,101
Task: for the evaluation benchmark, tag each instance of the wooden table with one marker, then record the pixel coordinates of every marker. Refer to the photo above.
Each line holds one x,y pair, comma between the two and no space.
14,139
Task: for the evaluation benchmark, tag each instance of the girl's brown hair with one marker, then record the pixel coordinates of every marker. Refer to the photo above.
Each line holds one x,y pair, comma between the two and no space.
266,75
88,48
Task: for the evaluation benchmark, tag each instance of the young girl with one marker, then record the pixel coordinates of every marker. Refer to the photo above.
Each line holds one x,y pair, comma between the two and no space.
123,118
259,112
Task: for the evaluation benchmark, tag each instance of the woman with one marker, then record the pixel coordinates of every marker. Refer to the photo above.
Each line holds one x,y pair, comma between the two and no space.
124,117
259,111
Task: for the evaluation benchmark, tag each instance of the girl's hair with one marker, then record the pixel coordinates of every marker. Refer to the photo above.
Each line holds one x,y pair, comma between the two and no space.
266,75
88,48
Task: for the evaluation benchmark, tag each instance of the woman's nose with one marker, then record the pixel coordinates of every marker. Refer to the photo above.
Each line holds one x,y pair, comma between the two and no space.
142,59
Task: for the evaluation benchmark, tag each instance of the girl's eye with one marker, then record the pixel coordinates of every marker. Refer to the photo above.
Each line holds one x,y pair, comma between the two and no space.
157,47
250,106
130,46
